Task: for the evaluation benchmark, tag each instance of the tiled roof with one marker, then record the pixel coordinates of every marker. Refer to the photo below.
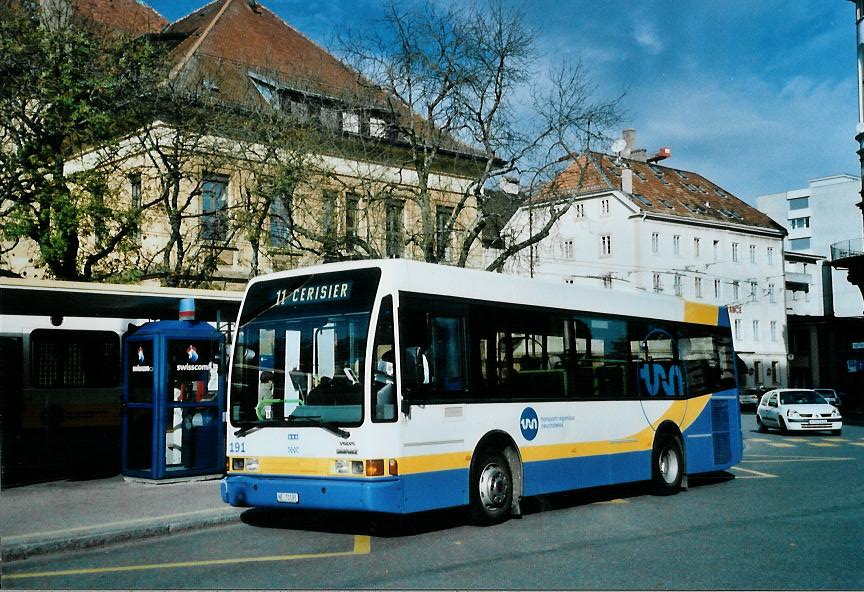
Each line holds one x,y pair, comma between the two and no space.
661,190
128,17
223,45
228,38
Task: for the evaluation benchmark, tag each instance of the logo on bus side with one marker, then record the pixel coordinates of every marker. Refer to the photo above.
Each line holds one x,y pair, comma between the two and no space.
529,423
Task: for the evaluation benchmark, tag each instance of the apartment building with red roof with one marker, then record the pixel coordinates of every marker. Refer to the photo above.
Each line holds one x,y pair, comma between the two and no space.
635,224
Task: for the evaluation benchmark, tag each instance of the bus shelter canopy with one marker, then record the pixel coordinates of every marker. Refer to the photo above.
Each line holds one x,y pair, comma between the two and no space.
84,299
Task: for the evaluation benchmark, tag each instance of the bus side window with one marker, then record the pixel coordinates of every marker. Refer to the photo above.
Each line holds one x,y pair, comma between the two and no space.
384,365
447,354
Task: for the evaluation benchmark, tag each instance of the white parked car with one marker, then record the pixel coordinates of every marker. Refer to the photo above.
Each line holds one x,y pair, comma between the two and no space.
797,410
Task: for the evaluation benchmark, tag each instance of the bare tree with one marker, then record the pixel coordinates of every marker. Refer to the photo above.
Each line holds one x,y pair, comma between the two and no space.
465,90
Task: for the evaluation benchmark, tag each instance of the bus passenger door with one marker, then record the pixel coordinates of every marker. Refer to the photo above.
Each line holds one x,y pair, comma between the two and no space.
433,410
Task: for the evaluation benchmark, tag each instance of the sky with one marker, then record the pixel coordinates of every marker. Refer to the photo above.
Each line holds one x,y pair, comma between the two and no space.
759,96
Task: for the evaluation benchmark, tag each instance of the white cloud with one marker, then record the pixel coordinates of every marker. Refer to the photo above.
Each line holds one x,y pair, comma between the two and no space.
647,38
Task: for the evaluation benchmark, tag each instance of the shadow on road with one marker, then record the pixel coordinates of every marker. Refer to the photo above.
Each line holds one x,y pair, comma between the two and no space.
394,526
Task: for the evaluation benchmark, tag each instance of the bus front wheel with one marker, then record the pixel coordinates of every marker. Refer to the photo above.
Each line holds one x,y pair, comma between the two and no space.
491,489
667,464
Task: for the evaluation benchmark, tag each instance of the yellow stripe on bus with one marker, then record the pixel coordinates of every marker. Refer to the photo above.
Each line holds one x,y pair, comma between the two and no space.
703,314
641,441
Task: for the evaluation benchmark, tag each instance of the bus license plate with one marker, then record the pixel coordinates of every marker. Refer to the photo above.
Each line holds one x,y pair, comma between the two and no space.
287,497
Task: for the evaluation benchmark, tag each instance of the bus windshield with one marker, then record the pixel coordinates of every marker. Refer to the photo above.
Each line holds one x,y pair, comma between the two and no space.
299,358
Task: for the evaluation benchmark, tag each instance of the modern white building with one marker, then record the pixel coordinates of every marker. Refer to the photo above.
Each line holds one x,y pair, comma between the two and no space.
638,226
824,309
817,216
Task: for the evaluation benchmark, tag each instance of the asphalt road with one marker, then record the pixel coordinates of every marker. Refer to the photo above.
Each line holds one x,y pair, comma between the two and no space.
790,516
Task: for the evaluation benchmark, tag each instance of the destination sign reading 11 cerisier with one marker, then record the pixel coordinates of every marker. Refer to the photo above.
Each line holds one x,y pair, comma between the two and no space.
312,294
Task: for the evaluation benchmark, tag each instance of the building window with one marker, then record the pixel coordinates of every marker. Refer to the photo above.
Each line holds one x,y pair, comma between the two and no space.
60,358
281,221
605,245
214,208
579,210
771,298
736,291
330,118
679,285
568,250
329,222
377,127
394,230
717,290
655,242
754,287
604,207
773,329
796,223
697,287
350,122
676,244
658,283
352,206
135,194
738,329
799,244
735,252
770,251
755,330
799,203
606,281
716,250
753,254
443,239
697,247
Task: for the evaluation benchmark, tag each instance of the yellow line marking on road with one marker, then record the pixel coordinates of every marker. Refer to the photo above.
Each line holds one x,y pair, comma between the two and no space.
835,439
856,443
822,444
754,474
781,445
614,501
759,439
790,459
362,546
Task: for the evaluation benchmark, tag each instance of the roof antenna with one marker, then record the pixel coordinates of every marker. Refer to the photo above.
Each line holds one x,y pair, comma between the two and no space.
617,148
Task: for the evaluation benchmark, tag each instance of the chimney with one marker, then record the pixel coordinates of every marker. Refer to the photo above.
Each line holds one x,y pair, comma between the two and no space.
629,136
627,181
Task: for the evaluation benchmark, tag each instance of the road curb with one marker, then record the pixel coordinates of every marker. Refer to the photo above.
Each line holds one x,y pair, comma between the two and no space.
97,538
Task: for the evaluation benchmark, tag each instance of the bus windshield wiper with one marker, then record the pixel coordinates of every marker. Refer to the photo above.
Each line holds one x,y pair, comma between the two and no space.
327,425
293,420
263,424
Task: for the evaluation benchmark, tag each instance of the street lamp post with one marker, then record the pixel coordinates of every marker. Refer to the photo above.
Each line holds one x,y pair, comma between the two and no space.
849,254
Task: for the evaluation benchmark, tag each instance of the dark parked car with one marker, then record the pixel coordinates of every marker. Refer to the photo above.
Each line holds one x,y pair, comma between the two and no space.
749,396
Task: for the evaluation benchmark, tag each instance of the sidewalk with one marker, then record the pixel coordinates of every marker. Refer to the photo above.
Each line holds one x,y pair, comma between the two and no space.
62,515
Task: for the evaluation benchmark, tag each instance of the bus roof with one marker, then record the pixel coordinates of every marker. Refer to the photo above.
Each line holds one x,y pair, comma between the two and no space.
445,280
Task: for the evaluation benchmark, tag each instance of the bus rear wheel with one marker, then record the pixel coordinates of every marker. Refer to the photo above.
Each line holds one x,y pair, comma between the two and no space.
491,489
667,465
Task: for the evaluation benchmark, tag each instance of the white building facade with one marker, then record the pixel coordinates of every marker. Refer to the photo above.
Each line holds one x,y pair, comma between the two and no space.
817,216
675,233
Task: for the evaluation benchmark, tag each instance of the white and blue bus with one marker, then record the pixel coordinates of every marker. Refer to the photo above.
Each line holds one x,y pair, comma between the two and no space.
395,386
